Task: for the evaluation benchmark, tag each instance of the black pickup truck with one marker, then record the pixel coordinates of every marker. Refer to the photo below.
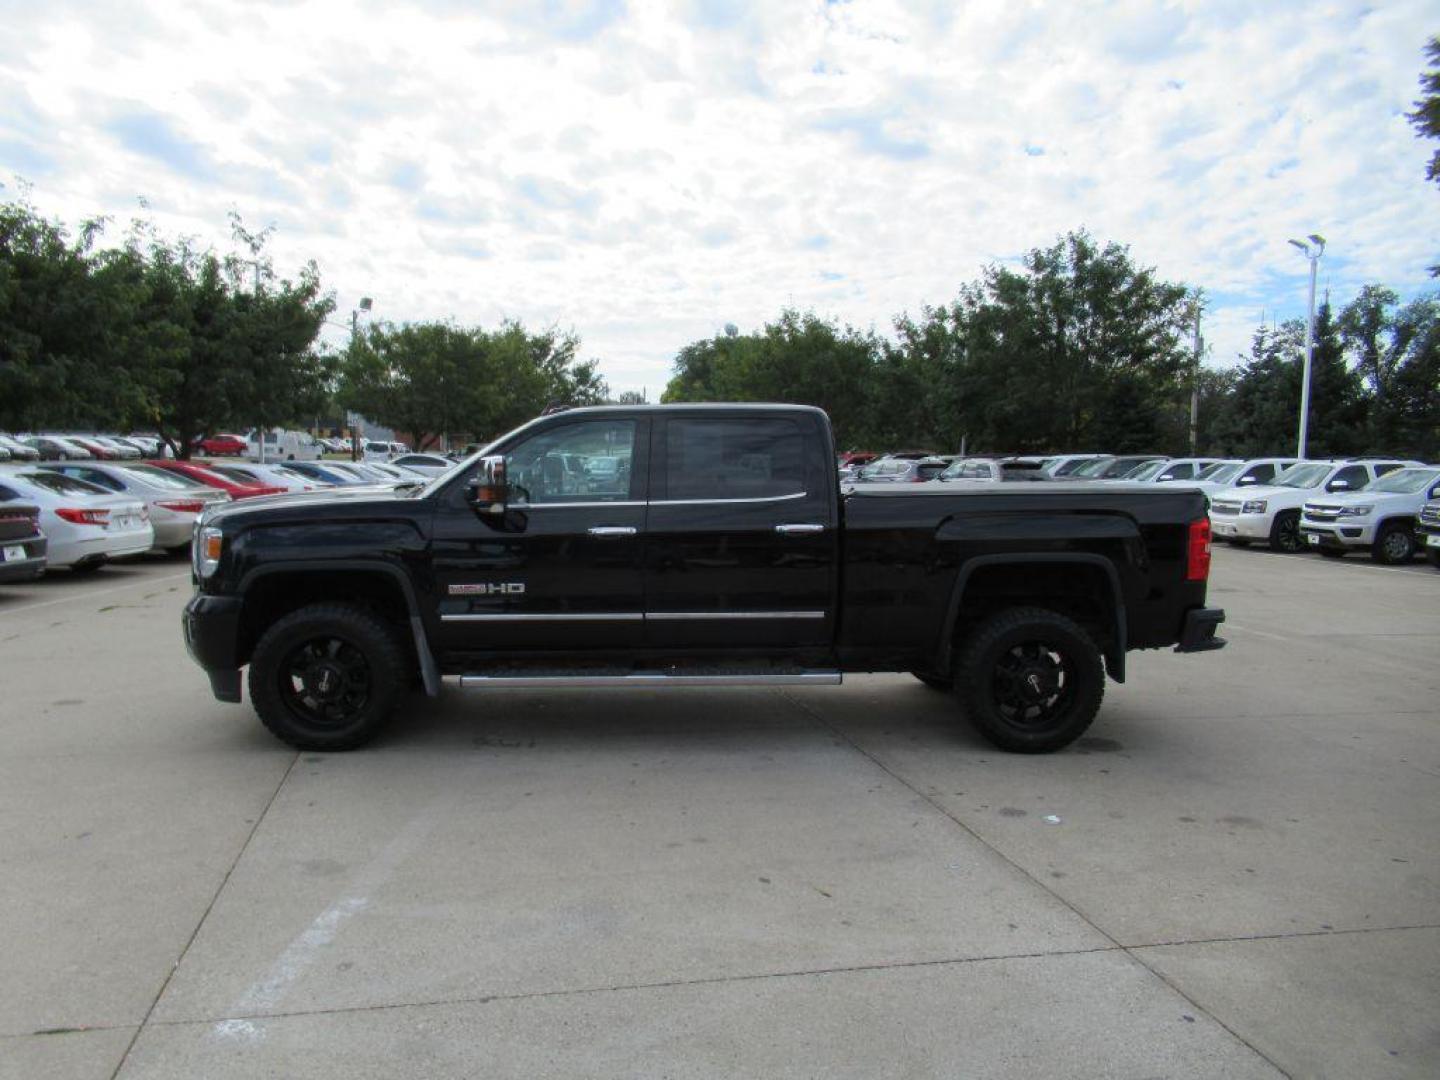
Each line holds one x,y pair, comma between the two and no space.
693,545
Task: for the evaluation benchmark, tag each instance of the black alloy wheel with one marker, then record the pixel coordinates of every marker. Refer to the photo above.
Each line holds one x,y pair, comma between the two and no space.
1032,680
326,677
326,680
1285,533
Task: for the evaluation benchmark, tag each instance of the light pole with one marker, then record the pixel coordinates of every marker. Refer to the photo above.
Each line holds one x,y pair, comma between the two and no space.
353,419
1312,247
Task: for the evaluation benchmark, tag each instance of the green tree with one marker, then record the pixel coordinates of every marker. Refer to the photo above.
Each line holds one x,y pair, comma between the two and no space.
1426,117
1079,346
799,358
437,379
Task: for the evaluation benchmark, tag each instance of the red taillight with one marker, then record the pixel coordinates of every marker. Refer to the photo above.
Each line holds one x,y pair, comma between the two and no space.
181,506
77,516
1197,551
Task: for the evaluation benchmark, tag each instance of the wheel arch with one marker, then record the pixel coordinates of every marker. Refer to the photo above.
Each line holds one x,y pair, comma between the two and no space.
276,589
986,583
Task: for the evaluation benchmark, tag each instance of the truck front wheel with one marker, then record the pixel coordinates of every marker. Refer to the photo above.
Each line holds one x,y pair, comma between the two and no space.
1030,679
327,676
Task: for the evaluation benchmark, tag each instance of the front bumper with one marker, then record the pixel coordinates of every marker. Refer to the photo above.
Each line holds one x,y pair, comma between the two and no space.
1198,632
1336,537
212,636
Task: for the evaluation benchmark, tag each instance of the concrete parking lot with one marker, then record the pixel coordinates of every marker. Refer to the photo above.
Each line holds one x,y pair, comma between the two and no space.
1236,874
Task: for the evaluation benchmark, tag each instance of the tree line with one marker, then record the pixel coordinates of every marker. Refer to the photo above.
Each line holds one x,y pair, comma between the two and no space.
1076,347
160,335
1080,348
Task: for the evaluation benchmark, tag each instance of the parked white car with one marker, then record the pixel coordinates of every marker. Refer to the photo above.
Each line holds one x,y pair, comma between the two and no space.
1271,512
274,475
427,464
1240,474
1065,464
1175,469
86,525
1380,518
173,504
281,445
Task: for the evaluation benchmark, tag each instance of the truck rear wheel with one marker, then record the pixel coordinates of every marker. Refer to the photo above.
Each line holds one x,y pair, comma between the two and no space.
326,677
1031,680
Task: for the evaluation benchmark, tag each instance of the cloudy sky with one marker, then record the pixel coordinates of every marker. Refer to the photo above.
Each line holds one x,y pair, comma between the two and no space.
646,172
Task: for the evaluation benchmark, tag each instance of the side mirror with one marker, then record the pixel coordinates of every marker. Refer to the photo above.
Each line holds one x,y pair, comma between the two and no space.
488,491
1163,477
1338,485
1245,480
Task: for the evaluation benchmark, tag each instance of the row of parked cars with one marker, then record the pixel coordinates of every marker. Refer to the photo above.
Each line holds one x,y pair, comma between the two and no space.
83,514
1386,507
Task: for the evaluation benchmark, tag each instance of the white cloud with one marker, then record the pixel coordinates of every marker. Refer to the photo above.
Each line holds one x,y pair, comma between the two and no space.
646,172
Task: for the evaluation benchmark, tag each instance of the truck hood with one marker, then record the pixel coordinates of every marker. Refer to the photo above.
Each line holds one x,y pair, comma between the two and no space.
268,508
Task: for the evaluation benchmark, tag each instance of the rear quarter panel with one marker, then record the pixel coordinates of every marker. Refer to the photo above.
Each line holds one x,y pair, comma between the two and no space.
905,552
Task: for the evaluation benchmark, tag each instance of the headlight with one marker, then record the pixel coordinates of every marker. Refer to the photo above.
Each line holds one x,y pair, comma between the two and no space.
1356,511
1254,506
208,542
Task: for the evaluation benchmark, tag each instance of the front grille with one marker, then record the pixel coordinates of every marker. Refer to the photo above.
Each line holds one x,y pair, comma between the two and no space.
1321,512
1431,514
1227,508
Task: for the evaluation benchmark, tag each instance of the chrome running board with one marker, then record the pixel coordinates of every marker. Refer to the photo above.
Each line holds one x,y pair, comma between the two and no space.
646,679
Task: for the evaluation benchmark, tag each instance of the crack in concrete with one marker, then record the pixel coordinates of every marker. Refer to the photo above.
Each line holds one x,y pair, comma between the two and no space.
165,984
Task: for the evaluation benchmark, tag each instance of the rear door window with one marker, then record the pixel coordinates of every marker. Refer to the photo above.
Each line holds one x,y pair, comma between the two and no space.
735,459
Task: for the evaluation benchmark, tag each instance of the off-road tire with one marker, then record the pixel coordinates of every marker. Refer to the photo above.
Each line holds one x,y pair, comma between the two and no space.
367,644
1285,533
994,666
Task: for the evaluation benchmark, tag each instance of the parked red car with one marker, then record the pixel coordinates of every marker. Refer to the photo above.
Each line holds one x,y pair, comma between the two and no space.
220,445
196,471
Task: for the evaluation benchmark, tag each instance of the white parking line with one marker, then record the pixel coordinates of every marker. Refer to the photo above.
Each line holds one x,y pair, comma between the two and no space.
88,594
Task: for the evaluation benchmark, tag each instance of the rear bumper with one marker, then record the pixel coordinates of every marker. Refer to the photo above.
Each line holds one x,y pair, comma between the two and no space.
212,635
31,566
1240,526
1198,632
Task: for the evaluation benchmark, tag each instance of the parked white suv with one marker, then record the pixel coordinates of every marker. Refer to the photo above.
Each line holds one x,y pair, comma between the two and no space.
1271,512
1238,474
1380,518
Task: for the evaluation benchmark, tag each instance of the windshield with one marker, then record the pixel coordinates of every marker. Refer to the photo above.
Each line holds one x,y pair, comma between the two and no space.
952,470
1147,472
1093,467
1220,474
64,485
232,473
1404,482
1303,476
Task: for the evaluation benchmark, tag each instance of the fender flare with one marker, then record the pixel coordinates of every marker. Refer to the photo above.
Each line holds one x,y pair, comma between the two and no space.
1114,657
429,670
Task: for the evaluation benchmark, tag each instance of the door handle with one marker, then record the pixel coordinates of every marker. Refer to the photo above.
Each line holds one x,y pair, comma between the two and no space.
611,530
799,530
